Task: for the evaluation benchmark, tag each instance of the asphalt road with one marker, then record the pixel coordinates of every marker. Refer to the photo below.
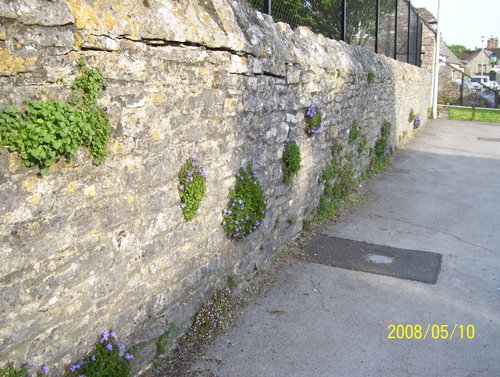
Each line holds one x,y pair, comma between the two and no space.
443,196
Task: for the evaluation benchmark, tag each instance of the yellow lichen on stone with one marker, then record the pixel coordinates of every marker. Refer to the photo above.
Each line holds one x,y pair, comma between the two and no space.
154,134
71,188
87,16
130,199
203,70
34,199
13,162
89,191
7,217
11,65
158,98
116,146
29,184
3,36
228,104
34,229
78,40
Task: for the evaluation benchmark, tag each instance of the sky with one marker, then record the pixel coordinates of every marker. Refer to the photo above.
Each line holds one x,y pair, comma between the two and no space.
465,21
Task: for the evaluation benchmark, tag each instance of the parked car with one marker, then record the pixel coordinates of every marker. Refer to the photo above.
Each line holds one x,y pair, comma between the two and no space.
477,86
493,85
489,96
467,85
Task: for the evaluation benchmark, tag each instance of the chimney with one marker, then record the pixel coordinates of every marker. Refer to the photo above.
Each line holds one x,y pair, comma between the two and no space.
492,42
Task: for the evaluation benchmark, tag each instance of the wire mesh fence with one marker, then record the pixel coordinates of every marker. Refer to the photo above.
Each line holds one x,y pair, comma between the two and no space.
389,27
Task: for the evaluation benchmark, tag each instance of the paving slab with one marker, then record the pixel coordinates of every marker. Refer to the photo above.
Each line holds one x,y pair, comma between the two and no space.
441,196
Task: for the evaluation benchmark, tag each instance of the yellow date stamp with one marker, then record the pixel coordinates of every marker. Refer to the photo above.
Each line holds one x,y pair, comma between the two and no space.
431,331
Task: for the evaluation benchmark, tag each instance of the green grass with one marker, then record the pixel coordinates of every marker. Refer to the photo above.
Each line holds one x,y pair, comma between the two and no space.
480,115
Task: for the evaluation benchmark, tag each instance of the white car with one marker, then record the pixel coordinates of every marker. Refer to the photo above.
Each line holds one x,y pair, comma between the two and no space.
493,85
467,85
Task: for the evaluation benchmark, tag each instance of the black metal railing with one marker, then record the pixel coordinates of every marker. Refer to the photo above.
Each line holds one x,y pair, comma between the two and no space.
389,27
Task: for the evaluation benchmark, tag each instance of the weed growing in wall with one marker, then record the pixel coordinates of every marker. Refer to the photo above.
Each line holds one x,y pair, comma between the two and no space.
163,345
411,116
291,160
109,358
354,133
192,186
47,130
339,182
371,76
314,123
210,318
381,152
417,121
246,207
362,145
9,370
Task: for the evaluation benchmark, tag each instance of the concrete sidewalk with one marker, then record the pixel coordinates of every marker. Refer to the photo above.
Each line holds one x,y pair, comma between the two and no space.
442,195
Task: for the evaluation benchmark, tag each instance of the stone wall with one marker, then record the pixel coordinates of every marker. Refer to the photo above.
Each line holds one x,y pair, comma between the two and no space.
94,247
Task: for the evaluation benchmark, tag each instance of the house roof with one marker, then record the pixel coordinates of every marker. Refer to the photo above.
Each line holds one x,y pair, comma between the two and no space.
450,56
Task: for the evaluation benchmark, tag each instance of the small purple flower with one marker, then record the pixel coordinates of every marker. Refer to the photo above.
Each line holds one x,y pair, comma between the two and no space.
92,357
182,205
105,336
106,108
181,187
311,111
109,347
75,366
45,369
129,356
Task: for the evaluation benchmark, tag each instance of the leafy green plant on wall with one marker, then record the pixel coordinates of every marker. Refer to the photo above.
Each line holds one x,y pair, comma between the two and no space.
411,116
362,145
314,123
246,208
354,133
371,76
47,130
381,152
192,186
109,358
291,160
163,344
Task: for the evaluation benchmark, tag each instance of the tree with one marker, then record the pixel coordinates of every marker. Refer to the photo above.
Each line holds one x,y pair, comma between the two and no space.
325,16
457,49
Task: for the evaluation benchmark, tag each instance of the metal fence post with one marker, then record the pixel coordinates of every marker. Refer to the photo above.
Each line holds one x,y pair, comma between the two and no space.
377,23
267,7
343,29
409,33
396,30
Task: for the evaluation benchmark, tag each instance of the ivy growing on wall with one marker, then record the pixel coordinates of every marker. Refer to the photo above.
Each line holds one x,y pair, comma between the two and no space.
47,130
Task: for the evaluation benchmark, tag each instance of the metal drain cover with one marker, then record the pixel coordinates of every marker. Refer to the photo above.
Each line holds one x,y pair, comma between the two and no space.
416,265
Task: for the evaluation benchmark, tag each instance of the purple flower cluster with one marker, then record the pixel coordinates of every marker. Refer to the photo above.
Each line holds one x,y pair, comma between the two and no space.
75,366
311,111
291,140
243,212
314,123
317,130
416,121
44,370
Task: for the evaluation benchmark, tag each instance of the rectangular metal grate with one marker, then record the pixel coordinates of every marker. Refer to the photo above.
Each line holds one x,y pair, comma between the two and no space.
416,265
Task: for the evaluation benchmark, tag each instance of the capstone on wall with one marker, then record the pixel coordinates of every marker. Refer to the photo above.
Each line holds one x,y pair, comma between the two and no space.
94,247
